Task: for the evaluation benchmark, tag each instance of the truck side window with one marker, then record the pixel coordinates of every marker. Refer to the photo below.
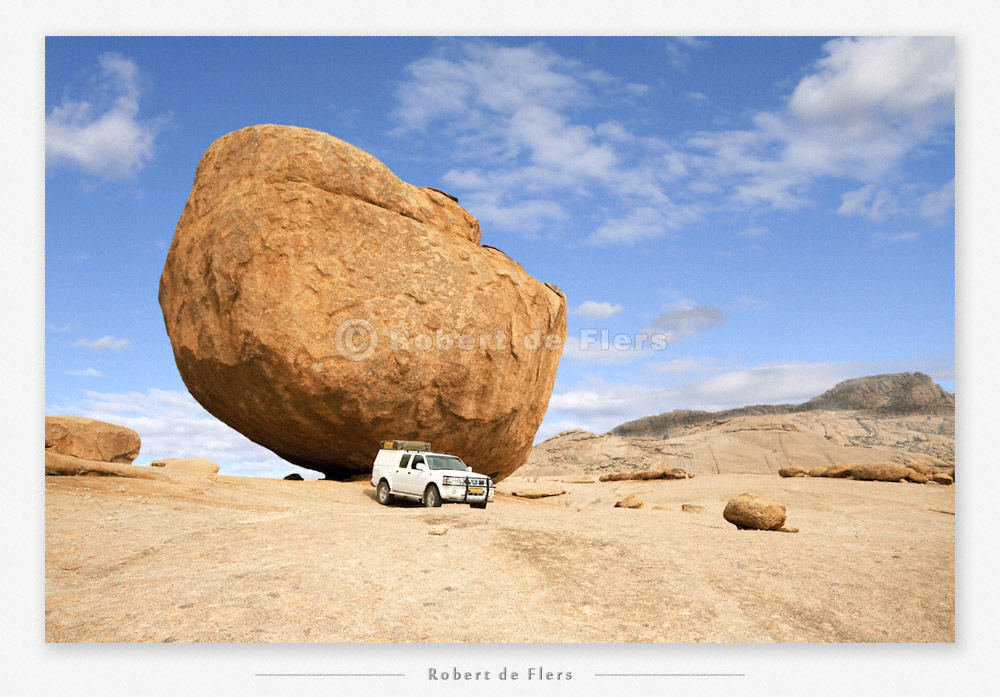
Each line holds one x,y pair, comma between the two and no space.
404,461
417,459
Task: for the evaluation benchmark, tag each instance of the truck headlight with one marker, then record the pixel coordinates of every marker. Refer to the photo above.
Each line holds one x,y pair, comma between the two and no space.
453,481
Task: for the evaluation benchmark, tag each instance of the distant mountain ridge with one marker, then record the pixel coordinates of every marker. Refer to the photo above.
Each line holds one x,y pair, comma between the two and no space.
890,394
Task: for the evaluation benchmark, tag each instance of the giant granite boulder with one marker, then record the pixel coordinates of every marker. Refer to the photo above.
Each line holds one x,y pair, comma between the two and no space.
318,304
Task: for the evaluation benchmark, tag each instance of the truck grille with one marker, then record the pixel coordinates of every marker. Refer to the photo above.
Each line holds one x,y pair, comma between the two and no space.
477,482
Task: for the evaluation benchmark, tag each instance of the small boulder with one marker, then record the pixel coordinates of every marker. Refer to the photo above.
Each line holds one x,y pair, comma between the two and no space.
915,476
630,501
942,478
886,472
90,439
818,471
293,477
793,471
675,474
692,508
187,464
752,512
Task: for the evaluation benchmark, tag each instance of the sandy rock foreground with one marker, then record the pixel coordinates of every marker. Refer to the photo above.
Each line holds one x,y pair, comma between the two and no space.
186,557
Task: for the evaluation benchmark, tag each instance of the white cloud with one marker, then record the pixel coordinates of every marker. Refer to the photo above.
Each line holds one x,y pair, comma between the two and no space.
679,50
513,111
58,330
697,97
173,424
866,105
103,136
598,310
88,372
753,232
687,319
104,343
683,366
642,223
868,202
884,239
937,204
517,116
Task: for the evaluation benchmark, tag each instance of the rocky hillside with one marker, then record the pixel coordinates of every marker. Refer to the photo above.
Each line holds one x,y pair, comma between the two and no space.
903,418
891,394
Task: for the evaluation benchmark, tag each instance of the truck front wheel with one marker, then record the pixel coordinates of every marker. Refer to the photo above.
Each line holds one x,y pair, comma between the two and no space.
432,497
383,493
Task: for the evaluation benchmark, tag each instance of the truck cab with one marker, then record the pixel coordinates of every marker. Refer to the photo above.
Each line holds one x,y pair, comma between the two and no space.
409,469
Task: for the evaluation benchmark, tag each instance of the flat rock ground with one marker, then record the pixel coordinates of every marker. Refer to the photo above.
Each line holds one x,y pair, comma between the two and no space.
211,558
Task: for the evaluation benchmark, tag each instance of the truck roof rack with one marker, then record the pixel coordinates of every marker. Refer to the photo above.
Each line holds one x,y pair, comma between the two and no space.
405,445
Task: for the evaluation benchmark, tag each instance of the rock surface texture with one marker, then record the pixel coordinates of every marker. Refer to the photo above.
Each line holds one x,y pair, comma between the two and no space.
90,439
318,304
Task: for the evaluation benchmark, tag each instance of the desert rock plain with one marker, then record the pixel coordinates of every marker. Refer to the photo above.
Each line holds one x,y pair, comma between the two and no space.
289,236
154,555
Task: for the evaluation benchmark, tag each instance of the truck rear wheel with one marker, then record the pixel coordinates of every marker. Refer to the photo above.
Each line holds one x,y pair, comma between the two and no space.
432,497
383,494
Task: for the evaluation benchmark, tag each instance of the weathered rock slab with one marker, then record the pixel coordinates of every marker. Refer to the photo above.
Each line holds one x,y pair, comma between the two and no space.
90,439
188,464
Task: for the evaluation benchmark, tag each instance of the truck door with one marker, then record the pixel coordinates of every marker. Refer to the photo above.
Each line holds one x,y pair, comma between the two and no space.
401,474
414,478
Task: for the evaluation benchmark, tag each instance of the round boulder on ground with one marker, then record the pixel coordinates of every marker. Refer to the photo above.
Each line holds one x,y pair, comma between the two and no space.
90,439
942,478
752,512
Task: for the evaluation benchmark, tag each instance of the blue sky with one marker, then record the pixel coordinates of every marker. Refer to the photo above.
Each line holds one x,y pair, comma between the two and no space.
781,208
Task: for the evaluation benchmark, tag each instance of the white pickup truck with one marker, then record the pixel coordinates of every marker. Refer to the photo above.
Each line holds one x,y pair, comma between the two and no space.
408,469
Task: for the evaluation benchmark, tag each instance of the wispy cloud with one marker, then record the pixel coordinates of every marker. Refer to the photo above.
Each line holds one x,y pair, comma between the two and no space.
58,330
598,310
87,372
937,204
680,48
104,343
882,239
173,424
518,117
513,113
864,106
868,202
687,319
753,232
103,134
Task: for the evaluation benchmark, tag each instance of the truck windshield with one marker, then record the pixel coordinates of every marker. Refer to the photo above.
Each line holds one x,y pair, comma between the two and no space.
445,462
